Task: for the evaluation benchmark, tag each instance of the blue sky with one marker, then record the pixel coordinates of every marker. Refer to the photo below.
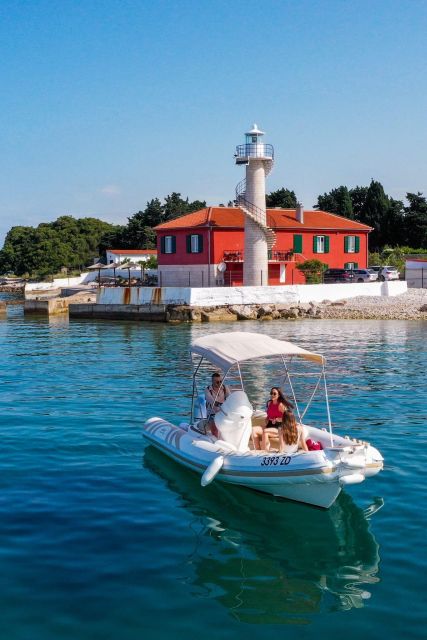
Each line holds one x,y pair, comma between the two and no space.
109,103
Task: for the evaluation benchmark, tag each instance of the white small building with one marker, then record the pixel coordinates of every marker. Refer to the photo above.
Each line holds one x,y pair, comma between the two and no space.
116,256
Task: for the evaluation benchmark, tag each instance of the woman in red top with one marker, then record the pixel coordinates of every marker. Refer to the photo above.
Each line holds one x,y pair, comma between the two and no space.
276,407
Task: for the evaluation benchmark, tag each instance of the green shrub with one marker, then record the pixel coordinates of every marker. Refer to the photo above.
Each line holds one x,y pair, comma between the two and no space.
313,270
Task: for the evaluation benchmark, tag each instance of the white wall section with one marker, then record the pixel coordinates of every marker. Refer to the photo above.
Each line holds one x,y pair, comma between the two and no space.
214,296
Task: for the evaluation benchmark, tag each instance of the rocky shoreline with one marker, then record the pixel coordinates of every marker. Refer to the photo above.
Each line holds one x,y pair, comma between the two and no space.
411,305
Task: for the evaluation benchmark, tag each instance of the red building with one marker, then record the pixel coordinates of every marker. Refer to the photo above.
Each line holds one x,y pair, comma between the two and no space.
206,248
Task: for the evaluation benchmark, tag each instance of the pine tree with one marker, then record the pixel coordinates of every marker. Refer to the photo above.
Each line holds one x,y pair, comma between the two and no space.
283,198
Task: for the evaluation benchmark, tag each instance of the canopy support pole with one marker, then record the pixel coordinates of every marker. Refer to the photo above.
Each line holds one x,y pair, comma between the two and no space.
292,388
194,389
312,396
240,375
327,406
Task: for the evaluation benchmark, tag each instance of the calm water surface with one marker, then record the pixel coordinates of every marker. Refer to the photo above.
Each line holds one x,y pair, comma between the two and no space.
102,537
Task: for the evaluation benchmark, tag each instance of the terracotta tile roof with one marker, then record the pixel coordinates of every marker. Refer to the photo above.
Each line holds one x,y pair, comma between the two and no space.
133,252
195,219
278,219
313,219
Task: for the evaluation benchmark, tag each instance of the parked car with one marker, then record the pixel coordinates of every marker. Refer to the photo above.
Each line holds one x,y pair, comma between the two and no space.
388,273
375,267
338,275
365,275
374,273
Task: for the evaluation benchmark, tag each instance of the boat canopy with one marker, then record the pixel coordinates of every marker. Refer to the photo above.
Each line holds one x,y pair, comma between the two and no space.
226,349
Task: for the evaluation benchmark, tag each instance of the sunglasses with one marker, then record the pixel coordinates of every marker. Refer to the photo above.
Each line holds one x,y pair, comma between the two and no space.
274,393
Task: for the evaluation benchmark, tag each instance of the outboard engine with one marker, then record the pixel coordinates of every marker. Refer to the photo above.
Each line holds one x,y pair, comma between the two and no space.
234,420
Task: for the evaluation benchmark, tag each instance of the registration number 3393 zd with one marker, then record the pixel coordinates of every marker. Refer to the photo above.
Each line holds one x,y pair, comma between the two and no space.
273,461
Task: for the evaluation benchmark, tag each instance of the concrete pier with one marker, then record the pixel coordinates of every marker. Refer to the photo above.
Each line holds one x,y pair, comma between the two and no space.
51,307
385,300
56,306
147,312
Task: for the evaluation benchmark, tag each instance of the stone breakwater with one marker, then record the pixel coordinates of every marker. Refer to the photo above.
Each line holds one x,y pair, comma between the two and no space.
411,305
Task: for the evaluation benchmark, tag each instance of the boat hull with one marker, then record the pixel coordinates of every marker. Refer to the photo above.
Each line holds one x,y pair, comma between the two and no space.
312,477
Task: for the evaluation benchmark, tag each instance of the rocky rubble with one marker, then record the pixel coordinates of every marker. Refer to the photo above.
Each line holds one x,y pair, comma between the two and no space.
411,305
263,312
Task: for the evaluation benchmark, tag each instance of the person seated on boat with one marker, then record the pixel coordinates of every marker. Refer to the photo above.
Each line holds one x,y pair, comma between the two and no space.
257,435
291,434
276,407
215,394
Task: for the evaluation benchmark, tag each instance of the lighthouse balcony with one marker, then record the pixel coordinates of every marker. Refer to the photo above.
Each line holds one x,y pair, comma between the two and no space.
259,150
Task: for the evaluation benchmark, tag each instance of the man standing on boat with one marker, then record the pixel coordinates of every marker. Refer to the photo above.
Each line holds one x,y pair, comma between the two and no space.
215,395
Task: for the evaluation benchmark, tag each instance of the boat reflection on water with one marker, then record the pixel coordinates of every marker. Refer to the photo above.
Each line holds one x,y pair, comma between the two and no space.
268,560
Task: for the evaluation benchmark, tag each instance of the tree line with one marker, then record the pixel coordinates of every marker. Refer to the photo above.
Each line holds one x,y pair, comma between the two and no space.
47,248
139,232
73,243
393,223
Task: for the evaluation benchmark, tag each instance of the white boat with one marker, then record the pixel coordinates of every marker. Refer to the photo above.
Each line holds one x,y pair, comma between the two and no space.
313,477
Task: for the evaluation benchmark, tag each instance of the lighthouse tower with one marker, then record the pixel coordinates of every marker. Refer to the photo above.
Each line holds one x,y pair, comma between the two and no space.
250,197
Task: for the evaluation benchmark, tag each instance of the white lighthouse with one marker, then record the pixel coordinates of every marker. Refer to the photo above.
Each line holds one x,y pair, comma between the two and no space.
250,197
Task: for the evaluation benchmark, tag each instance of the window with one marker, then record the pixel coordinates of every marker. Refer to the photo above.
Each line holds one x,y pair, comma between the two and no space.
351,244
351,265
168,244
297,243
195,243
320,244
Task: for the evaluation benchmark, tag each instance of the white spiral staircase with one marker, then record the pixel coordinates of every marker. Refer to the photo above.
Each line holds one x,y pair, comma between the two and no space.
254,213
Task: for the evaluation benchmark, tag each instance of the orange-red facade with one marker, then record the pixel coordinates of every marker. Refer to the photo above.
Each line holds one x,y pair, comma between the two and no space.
218,236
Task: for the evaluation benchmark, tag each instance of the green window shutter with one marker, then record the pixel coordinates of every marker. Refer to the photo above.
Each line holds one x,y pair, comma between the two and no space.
200,243
314,244
173,244
297,243
162,244
188,239
346,244
326,244
356,244
356,265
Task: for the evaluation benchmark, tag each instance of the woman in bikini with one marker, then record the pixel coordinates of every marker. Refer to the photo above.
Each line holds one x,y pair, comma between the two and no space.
276,408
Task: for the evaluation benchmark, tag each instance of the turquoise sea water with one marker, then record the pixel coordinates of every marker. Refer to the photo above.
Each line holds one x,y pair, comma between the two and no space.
102,537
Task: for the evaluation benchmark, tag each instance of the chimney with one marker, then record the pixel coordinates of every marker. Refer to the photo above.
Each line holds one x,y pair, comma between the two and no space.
300,213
